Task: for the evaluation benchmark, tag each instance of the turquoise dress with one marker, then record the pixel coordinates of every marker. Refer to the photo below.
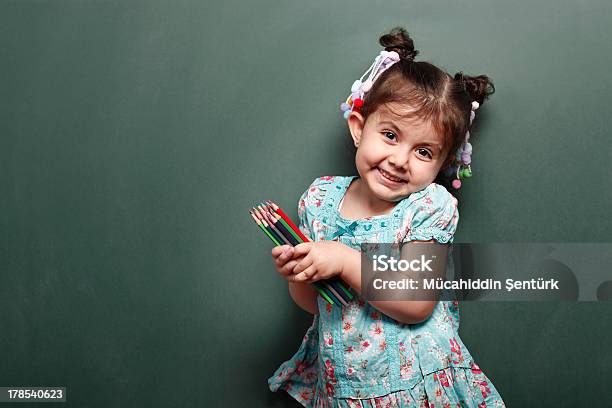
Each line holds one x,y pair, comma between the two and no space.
356,356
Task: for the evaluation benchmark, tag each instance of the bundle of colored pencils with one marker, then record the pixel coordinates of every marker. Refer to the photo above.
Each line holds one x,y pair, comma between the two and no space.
282,231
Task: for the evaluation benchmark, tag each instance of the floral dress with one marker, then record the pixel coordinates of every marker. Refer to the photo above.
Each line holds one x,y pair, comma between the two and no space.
356,356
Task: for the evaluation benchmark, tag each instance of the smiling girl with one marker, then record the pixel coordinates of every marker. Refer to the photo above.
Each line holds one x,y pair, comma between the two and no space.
410,124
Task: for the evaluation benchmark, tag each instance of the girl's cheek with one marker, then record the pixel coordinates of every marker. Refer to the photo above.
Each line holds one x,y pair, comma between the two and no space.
373,152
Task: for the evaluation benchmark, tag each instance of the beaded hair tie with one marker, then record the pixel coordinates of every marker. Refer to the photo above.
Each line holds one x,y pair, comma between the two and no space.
382,62
463,156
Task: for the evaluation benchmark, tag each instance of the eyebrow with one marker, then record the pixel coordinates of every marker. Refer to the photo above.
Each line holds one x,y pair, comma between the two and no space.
427,143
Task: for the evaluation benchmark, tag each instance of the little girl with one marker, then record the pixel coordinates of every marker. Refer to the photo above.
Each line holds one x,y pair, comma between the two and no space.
409,122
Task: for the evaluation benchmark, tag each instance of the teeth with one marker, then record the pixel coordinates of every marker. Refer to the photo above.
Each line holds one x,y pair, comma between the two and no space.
390,177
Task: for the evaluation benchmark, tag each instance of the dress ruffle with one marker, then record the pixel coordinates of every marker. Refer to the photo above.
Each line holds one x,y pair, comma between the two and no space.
451,386
298,375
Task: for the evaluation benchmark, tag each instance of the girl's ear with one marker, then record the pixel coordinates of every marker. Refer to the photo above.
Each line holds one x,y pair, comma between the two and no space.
356,122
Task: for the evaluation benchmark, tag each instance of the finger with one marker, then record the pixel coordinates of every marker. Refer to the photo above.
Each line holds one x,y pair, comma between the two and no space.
303,264
302,249
283,251
293,263
315,277
279,249
285,256
306,274
287,269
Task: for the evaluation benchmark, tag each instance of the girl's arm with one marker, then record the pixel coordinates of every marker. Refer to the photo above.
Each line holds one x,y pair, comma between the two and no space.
407,312
305,296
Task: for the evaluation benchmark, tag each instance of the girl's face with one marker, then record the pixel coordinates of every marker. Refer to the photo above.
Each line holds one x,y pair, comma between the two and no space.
395,157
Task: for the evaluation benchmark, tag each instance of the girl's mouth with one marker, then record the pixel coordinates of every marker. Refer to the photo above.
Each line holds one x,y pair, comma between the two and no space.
388,178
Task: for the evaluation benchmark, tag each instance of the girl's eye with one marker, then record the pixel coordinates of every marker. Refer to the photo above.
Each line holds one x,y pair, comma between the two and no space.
424,152
386,133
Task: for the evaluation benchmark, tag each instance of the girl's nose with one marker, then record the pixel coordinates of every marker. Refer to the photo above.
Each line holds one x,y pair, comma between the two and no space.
400,159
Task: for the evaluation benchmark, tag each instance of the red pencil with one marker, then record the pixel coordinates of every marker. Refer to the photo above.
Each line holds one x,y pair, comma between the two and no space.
288,220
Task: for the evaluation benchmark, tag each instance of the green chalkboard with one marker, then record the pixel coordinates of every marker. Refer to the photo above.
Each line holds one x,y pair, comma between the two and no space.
135,135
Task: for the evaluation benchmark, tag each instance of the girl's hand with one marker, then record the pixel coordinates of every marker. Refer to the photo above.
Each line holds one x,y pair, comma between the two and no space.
283,262
321,260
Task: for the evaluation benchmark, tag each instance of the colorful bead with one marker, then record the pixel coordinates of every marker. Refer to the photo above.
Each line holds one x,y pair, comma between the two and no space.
456,184
346,114
394,56
464,173
344,107
466,158
358,103
468,148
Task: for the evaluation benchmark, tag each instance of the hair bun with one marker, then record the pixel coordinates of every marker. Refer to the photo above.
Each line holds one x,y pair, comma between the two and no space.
399,41
478,87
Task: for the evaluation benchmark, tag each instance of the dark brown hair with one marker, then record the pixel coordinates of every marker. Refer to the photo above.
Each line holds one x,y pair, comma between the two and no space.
443,100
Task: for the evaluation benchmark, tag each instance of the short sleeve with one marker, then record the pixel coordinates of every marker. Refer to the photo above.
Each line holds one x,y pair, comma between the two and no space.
310,202
435,216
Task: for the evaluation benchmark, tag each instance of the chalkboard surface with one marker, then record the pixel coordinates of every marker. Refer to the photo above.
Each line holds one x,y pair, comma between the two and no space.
135,135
